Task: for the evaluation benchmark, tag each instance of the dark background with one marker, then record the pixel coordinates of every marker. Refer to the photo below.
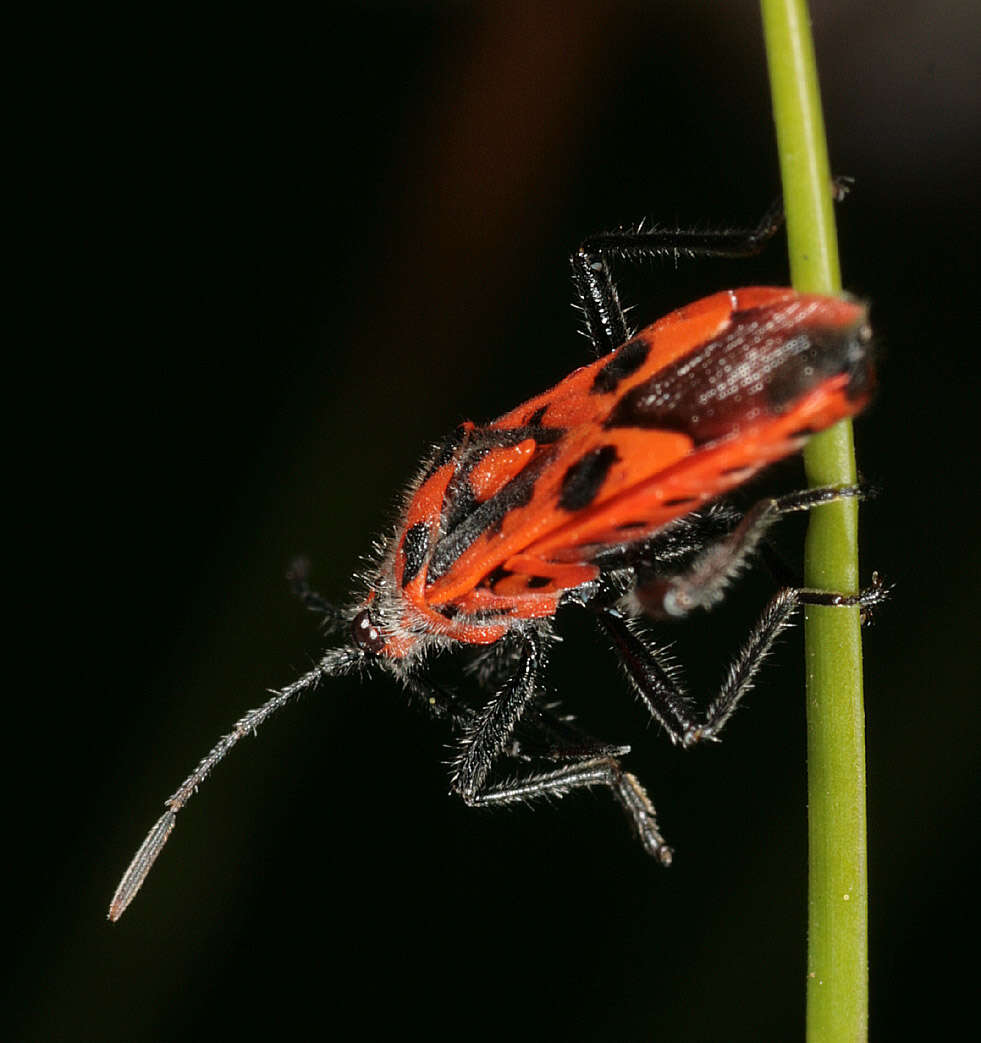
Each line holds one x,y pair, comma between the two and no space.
271,262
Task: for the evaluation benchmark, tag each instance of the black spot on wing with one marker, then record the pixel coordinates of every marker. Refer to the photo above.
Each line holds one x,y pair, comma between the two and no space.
626,361
414,548
582,481
460,501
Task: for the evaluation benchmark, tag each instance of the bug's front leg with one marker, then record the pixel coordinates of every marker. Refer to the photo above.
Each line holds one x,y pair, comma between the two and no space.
439,703
593,763
485,739
298,577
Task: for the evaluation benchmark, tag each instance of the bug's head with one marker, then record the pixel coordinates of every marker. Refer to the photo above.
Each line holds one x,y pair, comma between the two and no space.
365,633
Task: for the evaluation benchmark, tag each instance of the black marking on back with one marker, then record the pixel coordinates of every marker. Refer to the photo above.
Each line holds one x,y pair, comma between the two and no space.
459,501
758,366
444,453
534,419
625,362
542,435
414,548
582,481
537,582
485,438
486,516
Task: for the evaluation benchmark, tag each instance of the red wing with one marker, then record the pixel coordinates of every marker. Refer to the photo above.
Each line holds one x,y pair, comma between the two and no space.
679,415
589,392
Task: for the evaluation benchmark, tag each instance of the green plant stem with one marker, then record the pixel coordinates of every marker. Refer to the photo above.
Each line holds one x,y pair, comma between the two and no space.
837,958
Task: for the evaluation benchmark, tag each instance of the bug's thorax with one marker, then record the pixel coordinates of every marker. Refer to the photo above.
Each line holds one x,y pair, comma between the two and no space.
400,626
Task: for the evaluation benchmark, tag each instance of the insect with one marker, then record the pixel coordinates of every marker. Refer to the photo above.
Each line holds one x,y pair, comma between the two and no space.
604,492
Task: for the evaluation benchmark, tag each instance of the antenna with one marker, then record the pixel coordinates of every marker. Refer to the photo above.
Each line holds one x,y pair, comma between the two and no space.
336,662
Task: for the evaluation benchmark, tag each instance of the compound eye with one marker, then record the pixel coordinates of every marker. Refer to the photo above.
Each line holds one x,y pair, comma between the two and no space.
365,634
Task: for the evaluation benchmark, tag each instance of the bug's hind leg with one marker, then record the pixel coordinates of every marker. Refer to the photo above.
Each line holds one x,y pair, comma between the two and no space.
606,324
595,287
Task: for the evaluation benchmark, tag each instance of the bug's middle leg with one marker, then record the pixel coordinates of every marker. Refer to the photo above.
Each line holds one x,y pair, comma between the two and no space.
661,690
704,582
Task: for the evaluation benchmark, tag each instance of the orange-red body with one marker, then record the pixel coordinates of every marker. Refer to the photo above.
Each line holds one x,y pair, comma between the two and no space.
720,365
